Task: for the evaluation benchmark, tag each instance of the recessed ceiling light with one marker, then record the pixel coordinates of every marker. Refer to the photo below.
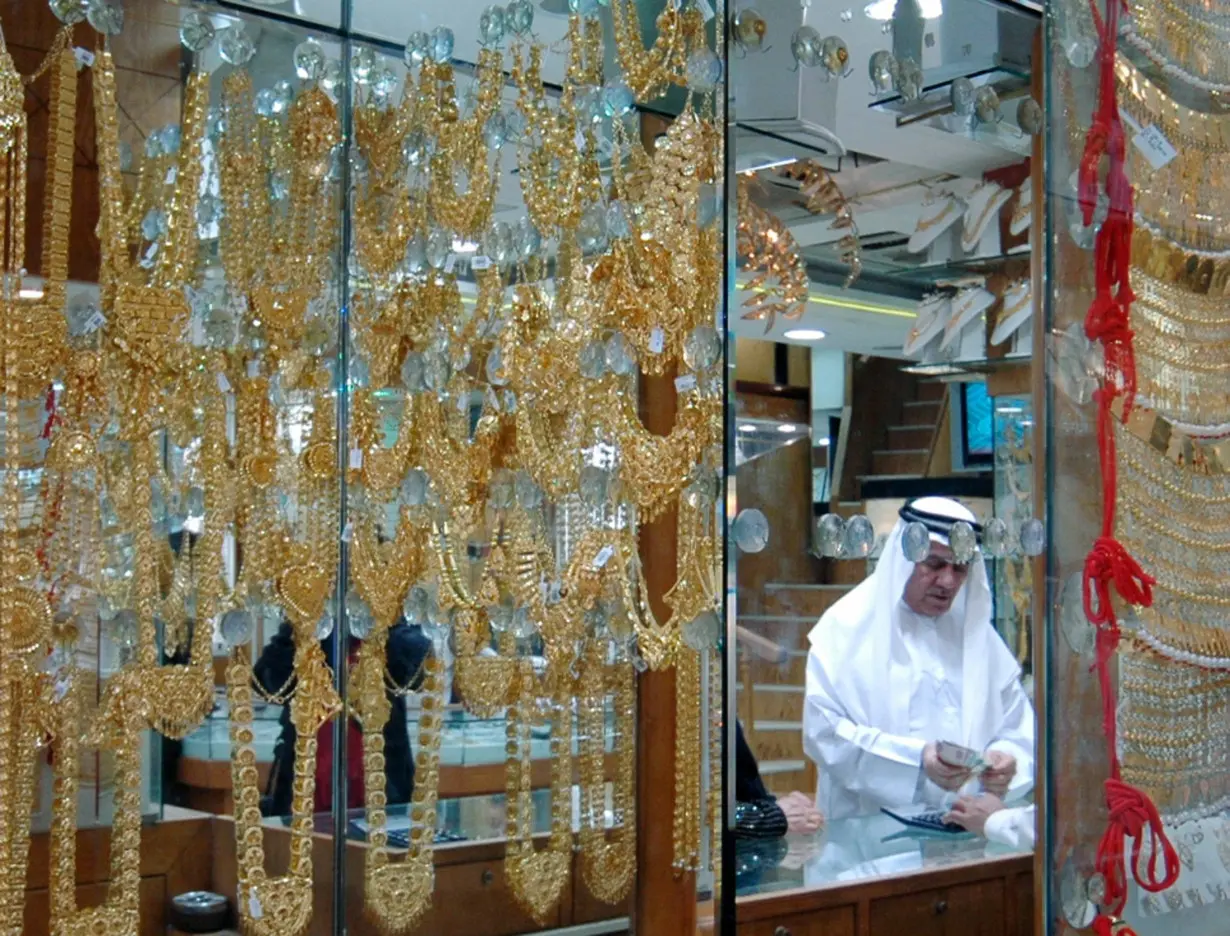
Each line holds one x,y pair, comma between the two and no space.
823,443
804,334
787,427
747,428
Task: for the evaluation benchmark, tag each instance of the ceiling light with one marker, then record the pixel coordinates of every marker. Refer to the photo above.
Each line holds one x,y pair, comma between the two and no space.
823,443
787,427
883,10
804,334
770,165
29,293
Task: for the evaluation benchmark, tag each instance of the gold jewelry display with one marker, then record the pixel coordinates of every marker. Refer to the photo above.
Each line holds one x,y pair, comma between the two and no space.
781,285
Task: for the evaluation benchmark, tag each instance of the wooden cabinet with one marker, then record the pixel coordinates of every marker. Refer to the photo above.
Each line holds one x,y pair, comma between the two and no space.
981,898
838,921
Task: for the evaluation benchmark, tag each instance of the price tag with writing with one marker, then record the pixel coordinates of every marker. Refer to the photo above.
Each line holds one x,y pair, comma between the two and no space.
255,910
1154,146
84,57
480,262
348,532
223,383
657,341
95,321
356,459
604,556
254,368
685,383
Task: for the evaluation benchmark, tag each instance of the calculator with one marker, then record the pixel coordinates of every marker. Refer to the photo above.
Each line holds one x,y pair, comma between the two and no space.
927,819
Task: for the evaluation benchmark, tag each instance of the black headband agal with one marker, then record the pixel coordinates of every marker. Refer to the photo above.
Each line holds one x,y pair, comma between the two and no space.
935,523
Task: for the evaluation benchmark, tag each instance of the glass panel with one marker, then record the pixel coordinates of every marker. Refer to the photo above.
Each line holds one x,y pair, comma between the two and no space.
1134,442
880,455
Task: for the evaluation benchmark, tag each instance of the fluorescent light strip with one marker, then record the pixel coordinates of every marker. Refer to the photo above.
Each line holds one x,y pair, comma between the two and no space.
850,304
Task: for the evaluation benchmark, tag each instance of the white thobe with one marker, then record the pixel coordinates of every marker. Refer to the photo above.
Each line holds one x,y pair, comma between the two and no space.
863,767
1012,827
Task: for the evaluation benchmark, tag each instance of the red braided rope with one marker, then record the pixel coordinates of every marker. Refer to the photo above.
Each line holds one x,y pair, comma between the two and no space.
1131,814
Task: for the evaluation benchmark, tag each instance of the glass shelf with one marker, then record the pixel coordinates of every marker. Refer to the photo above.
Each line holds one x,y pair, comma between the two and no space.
759,437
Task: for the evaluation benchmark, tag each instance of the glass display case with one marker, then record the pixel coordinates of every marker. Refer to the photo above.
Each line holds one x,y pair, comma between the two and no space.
361,391
1135,417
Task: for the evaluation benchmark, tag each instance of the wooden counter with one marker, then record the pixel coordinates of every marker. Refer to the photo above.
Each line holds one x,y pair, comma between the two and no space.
991,897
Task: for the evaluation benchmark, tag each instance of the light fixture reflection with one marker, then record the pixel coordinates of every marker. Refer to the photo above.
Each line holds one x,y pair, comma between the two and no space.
805,334
882,10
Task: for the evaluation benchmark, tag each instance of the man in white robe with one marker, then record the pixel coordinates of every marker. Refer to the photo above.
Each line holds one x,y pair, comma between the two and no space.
907,659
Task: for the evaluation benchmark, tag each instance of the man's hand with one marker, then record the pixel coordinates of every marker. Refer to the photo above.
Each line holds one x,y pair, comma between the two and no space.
944,776
998,775
972,812
802,817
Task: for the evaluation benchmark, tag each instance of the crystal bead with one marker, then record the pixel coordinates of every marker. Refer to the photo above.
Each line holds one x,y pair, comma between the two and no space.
324,627
414,488
154,224
415,608
215,124
169,137
495,131
491,25
592,360
266,102
208,209
963,542
1033,537
442,42
153,146
961,94
519,17
310,60
597,622
527,239
703,632
591,231
236,627
194,503
496,374
995,538
522,627
704,70
882,69
529,494
69,11
595,485
196,32
830,535
584,7
331,79
751,530
435,371
417,50
106,17
1029,116
617,99
499,243
805,46
384,82
362,64
617,221
437,623
500,618
509,401
416,148
702,348
620,357
236,46
358,615
501,490
915,542
860,537
439,246
125,628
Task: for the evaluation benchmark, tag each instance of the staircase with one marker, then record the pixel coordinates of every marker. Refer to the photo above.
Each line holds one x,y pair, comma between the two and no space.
905,445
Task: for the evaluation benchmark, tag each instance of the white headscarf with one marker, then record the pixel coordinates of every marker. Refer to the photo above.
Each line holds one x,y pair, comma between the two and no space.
853,642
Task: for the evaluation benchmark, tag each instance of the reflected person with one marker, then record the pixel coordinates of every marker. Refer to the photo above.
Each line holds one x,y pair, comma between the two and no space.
907,659
408,649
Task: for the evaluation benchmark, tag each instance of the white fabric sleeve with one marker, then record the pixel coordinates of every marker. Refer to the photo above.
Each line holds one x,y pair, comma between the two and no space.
1011,827
862,760
1016,737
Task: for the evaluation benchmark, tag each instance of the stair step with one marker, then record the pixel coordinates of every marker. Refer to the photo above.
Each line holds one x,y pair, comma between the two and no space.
887,462
890,477
769,768
921,413
801,601
931,391
774,725
902,437
774,705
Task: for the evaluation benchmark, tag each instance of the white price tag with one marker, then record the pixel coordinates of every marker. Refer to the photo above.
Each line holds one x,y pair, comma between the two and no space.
706,8
579,140
356,459
194,526
657,341
255,910
481,262
685,383
639,664
84,57
1154,146
223,384
450,263
95,322
348,532
172,175
604,556
63,683
254,368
